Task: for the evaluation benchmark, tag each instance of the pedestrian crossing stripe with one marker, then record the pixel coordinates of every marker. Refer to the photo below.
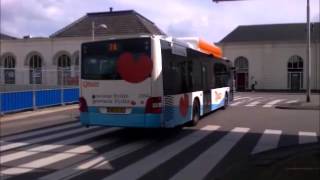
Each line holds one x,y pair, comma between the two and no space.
208,159
254,103
45,148
268,141
211,157
267,102
42,131
39,163
307,137
141,167
292,101
272,103
95,162
42,139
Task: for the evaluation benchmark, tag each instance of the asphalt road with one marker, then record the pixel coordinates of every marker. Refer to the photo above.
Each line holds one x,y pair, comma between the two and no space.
55,146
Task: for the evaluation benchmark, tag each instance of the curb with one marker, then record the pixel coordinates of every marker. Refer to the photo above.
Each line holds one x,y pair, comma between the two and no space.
315,107
39,112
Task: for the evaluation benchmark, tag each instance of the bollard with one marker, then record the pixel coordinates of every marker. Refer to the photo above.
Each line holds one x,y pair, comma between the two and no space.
62,87
1,112
34,105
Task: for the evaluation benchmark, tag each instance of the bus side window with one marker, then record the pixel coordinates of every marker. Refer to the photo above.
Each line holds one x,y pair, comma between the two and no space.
221,75
204,77
190,76
175,72
184,76
196,76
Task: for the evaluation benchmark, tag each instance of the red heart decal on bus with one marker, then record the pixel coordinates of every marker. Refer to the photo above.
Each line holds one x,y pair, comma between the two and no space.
183,105
134,70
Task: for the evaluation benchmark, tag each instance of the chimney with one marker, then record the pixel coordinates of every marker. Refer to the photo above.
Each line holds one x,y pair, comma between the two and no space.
110,9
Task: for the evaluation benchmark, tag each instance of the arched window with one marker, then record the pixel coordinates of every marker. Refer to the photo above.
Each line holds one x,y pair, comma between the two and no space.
242,68
9,64
241,64
35,65
295,72
74,80
64,68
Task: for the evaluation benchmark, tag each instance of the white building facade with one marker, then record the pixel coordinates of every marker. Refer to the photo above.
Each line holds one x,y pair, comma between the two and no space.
54,61
39,60
271,63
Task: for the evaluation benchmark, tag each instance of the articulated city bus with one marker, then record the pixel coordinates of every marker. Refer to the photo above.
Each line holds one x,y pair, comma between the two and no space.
151,81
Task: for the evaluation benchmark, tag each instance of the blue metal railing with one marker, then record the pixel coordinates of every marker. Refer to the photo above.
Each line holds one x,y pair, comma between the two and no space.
23,100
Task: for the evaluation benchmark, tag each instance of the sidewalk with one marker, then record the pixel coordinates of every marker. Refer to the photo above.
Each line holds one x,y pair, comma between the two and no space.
38,112
313,105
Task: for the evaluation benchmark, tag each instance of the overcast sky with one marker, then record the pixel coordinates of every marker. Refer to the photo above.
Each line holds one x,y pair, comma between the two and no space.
178,18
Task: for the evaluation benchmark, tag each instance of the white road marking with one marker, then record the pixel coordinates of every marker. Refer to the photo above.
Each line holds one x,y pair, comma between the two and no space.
46,161
292,101
36,132
96,162
236,99
252,104
269,140
146,164
58,144
41,139
272,103
207,160
307,137
16,155
16,170
236,103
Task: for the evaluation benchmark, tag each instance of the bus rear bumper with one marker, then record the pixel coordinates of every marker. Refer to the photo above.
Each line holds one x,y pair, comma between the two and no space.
133,120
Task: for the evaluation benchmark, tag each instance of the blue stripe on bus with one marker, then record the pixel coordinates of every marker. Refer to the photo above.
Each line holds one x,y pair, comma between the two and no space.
137,118
172,116
217,106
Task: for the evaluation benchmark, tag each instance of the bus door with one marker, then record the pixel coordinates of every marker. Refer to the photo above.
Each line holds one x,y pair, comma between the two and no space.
206,89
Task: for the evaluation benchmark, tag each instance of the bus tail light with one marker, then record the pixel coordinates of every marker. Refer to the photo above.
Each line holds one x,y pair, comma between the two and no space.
83,107
154,105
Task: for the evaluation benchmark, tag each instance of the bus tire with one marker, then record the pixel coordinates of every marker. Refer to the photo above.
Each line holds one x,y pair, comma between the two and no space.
226,101
195,113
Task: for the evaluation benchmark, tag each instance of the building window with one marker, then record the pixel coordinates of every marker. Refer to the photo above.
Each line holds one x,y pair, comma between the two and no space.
74,80
76,58
35,65
295,73
9,64
64,69
242,70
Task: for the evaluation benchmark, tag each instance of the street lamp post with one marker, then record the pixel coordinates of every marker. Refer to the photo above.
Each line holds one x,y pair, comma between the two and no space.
93,28
308,52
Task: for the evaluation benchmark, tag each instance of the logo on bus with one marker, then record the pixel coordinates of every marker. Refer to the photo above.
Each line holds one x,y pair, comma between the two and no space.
218,96
87,84
134,69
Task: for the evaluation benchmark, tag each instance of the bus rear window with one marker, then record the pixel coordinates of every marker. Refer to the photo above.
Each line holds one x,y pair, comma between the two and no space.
99,59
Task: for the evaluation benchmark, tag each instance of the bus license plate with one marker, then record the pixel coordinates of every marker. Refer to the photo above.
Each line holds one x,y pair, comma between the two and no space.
116,110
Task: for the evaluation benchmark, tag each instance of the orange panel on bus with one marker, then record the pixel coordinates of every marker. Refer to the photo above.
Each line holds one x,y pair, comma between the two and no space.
210,48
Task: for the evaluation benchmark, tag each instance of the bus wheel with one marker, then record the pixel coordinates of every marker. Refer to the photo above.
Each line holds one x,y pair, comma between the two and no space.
226,101
195,114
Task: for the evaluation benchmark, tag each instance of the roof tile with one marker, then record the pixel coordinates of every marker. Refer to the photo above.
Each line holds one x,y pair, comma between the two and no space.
272,32
118,23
